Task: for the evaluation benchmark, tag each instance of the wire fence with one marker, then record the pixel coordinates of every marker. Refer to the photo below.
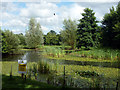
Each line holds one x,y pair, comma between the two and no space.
85,76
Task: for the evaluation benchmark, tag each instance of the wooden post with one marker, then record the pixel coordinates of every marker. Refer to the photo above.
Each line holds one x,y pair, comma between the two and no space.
25,77
22,75
11,72
117,86
64,78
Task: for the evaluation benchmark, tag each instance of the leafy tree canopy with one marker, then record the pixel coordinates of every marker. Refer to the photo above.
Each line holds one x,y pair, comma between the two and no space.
68,33
87,32
34,35
111,28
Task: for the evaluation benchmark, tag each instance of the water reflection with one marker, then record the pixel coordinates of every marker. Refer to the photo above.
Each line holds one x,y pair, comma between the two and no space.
11,57
31,56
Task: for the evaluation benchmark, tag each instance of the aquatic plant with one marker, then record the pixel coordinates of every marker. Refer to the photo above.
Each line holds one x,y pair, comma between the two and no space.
53,51
106,54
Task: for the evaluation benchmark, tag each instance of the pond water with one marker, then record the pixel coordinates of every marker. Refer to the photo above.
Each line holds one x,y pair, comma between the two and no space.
34,56
30,56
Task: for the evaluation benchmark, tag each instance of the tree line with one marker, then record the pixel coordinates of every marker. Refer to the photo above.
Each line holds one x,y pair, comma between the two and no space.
86,33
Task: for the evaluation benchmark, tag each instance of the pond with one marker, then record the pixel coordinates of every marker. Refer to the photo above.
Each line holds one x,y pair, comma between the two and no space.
30,56
34,56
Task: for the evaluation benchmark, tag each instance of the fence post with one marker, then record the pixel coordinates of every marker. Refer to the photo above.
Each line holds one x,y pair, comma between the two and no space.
11,72
25,77
22,75
117,86
64,78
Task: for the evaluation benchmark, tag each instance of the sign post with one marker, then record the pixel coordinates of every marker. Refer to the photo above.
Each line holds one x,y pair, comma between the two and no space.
22,67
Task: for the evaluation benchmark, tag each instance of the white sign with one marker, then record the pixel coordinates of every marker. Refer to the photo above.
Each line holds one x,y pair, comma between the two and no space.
22,66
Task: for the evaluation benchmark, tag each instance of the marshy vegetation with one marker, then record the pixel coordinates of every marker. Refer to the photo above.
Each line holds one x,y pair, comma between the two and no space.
80,56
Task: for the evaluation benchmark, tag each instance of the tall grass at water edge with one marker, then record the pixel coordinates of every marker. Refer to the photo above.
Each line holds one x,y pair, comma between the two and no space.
106,54
53,51
44,67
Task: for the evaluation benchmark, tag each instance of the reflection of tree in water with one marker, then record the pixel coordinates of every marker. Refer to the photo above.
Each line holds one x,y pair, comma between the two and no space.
11,57
33,56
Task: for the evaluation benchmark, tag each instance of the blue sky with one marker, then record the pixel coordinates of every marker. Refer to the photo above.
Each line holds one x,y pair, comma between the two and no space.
67,4
15,16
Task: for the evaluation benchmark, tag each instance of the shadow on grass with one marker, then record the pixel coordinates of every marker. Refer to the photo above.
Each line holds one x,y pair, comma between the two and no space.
18,82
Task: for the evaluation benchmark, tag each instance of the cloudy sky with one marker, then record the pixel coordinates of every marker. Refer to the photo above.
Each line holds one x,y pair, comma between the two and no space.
15,14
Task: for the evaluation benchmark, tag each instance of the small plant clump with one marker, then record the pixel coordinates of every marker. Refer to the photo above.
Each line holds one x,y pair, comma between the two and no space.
54,51
87,73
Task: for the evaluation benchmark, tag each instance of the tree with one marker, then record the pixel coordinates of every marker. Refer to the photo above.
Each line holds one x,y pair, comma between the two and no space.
21,38
52,38
9,41
111,29
34,35
69,33
87,32
4,43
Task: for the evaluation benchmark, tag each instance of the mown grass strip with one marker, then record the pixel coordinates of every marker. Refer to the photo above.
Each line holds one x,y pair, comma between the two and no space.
69,57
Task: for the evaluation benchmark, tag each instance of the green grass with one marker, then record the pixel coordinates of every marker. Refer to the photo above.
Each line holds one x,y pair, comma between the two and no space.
59,46
18,82
96,55
26,49
104,54
74,58
6,67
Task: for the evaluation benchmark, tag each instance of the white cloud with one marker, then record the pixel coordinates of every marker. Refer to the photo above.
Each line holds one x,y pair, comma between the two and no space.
59,0
90,0
9,7
45,29
30,0
17,31
0,23
14,23
7,16
76,11
43,12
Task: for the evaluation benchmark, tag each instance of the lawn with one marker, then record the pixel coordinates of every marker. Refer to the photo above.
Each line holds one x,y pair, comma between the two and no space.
18,82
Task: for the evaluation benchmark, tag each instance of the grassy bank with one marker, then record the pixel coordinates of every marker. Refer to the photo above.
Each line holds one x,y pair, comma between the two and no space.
100,54
75,58
106,75
18,82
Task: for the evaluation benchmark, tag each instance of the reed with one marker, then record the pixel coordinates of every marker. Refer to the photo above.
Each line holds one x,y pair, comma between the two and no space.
54,51
105,54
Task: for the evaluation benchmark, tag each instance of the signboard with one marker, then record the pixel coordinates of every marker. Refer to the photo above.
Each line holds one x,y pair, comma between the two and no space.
22,66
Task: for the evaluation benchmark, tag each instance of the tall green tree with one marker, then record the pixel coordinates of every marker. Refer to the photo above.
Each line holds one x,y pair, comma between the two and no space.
87,32
34,35
21,38
3,43
111,28
10,41
52,38
68,34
